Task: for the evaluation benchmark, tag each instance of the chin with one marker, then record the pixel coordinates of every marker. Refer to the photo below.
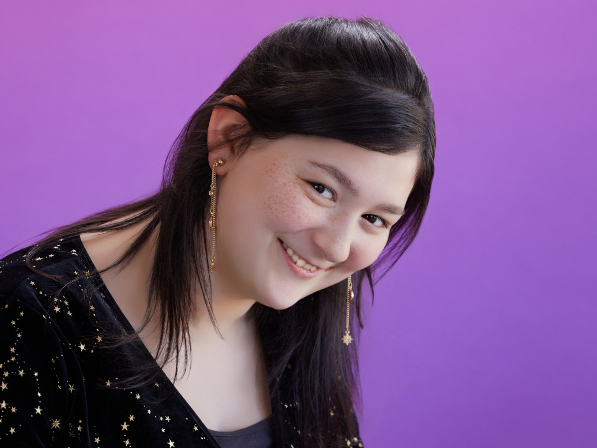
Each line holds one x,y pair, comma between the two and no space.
278,300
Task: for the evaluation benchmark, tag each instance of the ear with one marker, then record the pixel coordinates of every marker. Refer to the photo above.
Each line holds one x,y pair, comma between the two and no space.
224,125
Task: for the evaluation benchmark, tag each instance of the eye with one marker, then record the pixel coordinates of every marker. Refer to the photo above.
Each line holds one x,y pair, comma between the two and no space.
376,221
323,190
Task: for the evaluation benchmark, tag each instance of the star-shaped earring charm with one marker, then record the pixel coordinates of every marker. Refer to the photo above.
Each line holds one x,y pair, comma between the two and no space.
347,339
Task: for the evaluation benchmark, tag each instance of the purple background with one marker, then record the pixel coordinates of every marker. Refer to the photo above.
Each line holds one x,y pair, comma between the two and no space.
485,334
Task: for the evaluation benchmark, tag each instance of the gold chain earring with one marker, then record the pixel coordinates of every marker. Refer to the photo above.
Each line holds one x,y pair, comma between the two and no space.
347,339
212,214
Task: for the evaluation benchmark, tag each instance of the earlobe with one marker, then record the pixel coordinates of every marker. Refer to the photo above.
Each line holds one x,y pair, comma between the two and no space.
225,126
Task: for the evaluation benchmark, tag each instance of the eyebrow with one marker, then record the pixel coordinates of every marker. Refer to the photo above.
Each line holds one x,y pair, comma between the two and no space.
340,177
345,181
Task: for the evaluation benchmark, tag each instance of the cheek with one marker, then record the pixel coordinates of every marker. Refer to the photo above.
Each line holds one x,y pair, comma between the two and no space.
366,252
284,201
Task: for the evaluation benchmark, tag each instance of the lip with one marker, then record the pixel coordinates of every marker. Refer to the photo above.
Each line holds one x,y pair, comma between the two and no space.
303,273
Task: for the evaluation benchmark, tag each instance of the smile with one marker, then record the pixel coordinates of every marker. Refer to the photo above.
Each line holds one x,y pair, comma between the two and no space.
298,260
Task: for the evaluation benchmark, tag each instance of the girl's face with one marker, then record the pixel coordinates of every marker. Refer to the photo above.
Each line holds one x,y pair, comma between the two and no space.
298,214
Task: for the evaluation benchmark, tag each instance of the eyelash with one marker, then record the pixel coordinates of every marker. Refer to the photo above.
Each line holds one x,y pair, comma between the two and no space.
384,223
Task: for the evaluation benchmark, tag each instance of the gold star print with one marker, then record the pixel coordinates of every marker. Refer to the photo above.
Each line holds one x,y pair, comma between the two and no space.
12,322
79,428
137,396
56,309
195,428
21,313
108,383
13,409
50,256
3,405
5,373
12,430
91,308
171,443
167,419
4,385
131,418
161,418
157,385
34,373
97,440
163,430
124,426
38,410
99,339
82,346
66,302
18,335
31,283
71,387
12,349
126,442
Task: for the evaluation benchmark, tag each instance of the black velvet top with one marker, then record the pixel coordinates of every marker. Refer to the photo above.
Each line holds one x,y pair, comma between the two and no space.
60,385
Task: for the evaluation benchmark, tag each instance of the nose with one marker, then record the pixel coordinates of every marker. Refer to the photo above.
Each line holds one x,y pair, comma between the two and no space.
334,240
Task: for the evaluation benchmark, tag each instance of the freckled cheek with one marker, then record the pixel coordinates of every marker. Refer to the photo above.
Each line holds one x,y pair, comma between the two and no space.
287,208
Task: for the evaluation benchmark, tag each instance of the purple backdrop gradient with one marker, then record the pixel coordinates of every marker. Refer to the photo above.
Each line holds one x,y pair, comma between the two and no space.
485,334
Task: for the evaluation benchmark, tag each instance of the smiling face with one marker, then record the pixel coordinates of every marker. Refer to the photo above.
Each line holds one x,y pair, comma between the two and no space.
298,214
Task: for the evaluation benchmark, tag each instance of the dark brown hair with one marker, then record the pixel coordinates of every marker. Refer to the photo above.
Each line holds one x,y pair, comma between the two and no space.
354,81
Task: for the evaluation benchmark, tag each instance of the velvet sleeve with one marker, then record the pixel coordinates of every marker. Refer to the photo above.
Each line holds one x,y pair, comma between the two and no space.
40,380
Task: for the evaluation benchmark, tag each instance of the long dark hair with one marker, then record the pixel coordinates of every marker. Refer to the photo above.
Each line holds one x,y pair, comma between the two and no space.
354,81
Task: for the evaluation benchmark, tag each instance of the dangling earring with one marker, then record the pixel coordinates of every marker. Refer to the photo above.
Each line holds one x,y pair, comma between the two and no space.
212,214
347,339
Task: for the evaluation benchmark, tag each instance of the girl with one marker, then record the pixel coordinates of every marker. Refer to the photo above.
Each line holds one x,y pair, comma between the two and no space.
220,311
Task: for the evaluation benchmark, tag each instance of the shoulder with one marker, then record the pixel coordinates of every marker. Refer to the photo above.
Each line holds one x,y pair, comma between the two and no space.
39,329
46,299
52,265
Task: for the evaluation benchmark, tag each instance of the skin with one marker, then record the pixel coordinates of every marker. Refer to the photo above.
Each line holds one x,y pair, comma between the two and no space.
286,190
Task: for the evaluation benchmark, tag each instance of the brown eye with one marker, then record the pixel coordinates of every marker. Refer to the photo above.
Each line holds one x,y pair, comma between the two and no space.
376,220
322,190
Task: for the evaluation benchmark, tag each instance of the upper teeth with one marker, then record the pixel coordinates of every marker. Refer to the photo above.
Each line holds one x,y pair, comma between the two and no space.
298,260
